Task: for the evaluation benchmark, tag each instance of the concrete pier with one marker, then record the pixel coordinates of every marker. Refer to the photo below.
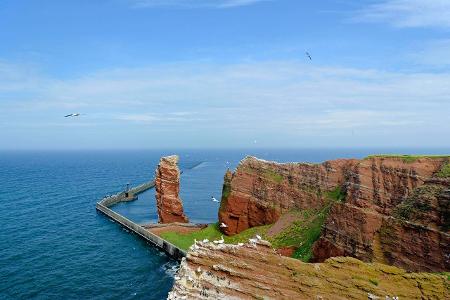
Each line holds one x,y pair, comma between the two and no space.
103,207
127,196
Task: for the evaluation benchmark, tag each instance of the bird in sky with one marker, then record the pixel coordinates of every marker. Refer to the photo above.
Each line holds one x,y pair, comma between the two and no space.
214,199
72,115
308,55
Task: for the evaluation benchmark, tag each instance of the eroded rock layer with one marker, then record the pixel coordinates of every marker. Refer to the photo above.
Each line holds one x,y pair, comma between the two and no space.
392,210
395,212
167,185
256,271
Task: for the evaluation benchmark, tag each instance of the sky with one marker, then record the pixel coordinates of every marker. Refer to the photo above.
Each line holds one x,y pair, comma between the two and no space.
224,74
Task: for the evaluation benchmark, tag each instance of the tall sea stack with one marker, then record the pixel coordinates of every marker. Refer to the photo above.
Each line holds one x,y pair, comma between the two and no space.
167,184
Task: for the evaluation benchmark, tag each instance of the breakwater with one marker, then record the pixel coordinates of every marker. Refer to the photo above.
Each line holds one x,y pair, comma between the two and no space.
129,195
104,205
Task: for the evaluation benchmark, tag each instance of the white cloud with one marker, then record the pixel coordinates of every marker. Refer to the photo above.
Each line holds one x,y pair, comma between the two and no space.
408,13
137,118
155,118
287,99
194,3
357,118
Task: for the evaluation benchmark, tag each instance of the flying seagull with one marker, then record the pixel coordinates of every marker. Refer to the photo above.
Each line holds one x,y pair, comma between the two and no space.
72,115
214,199
308,55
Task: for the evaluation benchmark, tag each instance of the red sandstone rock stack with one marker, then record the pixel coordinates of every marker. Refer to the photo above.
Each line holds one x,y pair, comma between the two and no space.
167,185
395,211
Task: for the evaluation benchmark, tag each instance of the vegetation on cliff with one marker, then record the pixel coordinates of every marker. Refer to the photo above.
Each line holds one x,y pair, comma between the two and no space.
445,171
302,233
407,158
336,194
273,175
418,203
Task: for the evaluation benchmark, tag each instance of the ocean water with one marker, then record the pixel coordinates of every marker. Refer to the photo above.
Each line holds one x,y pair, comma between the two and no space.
53,243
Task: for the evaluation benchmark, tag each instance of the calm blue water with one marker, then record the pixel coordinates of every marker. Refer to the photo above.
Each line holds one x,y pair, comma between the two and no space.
53,243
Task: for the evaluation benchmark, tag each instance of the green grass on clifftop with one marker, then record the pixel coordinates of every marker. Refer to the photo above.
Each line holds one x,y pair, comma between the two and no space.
406,157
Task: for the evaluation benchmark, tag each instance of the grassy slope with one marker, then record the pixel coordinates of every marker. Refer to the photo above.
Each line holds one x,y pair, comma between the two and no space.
302,233
444,172
212,232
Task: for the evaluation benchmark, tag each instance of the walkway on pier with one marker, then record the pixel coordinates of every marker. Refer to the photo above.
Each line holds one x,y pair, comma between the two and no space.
104,207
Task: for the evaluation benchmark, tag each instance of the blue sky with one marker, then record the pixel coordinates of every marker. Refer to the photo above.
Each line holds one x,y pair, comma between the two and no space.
224,73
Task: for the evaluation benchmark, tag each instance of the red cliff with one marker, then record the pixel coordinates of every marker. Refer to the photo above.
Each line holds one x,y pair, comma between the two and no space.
167,185
259,191
387,209
395,212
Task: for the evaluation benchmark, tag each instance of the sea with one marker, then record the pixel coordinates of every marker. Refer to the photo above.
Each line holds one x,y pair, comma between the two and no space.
55,245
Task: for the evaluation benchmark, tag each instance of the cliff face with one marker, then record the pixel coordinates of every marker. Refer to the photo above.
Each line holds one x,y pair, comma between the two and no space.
259,192
255,271
167,185
394,210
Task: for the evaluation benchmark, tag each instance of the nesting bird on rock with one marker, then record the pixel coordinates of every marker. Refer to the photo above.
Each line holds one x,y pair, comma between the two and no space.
221,241
223,225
